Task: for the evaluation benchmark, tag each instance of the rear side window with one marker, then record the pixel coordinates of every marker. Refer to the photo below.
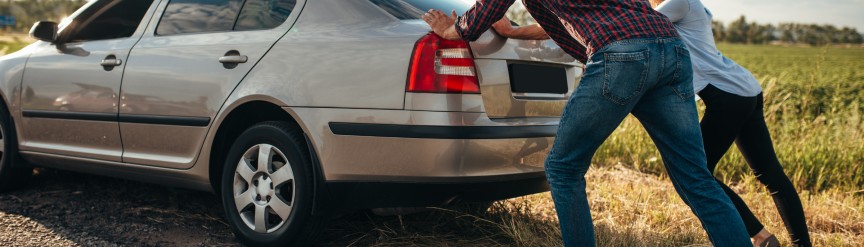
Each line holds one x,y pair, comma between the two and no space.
204,16
414,9
198,16
264,14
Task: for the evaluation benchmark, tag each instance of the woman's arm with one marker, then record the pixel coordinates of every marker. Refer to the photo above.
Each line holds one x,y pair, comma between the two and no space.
530,32
676,10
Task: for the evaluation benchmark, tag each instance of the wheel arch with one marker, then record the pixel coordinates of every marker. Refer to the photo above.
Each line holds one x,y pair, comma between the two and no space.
239,119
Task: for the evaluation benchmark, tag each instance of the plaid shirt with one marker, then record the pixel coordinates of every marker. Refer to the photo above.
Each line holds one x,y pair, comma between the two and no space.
580,27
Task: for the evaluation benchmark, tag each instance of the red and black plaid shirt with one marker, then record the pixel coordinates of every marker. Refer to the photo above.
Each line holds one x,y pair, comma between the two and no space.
580,27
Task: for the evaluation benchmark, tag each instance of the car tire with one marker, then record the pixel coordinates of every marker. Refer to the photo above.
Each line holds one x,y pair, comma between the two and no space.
11,177
265,204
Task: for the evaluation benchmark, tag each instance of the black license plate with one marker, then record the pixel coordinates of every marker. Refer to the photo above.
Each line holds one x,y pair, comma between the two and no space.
530,78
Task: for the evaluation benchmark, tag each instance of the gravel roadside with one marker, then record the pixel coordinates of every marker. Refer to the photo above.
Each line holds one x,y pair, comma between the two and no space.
62,208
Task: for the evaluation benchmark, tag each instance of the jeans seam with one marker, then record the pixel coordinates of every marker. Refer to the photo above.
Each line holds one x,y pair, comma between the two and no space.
677,74
689,202
663,62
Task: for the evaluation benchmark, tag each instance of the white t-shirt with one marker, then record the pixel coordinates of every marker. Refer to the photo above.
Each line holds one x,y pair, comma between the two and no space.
693,22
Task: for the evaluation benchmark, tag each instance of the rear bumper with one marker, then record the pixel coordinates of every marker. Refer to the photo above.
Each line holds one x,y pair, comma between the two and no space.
423,146
354,195
398,158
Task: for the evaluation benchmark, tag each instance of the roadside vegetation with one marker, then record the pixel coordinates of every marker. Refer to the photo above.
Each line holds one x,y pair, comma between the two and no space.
10,43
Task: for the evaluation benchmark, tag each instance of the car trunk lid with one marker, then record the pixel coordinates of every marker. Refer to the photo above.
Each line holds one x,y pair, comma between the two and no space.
523,78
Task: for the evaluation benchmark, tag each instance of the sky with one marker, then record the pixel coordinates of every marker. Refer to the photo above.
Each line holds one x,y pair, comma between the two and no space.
837,12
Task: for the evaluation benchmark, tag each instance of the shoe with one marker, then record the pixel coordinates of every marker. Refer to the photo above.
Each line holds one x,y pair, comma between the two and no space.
770,242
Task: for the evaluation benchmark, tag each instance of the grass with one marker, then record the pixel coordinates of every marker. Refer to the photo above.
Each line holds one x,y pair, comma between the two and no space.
629,208
813,107
813,100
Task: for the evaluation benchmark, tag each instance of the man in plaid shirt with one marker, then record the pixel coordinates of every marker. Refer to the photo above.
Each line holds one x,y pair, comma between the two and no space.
635,63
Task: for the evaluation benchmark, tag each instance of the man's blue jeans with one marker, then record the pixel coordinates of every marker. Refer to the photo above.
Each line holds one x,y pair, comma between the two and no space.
651,78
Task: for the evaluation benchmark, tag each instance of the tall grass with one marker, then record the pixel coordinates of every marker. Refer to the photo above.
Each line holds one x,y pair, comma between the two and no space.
629,208
813,107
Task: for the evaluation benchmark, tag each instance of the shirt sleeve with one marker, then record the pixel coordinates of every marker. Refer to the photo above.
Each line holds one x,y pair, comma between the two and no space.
558,32
480,18
675,10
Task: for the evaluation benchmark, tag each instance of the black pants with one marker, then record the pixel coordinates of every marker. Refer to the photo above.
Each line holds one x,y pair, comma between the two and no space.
732,118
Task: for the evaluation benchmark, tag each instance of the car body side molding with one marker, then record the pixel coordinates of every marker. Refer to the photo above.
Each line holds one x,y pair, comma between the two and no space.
443,132
123,118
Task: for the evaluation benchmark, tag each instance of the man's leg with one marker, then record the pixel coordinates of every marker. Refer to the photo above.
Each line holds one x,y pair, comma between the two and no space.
588,119
584,126
668,113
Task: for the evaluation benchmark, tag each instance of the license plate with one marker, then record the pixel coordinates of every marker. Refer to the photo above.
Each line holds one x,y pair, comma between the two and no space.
530,78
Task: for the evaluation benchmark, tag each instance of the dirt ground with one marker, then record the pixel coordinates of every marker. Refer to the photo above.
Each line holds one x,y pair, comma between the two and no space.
67,209
60,208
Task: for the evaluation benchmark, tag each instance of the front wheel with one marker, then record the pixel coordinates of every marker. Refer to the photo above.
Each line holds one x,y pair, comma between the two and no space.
267,187
10,177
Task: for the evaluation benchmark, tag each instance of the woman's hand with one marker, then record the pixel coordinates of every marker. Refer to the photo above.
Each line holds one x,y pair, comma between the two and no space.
442,24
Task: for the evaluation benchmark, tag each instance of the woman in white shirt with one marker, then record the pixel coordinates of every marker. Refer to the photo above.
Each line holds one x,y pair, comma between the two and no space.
734,113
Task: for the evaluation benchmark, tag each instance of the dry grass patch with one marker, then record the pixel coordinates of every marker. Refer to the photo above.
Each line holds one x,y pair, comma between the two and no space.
629,209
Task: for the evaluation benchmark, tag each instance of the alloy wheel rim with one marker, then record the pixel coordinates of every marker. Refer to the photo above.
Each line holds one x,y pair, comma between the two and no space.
264,190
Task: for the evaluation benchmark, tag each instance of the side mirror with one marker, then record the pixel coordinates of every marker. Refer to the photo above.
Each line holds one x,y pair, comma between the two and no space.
44,31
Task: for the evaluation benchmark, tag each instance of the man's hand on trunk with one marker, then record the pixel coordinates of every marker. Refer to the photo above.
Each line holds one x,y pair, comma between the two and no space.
441,24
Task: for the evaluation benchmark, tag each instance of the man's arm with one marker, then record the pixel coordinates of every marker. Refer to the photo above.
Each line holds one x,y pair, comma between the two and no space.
473,23
444,26
530,32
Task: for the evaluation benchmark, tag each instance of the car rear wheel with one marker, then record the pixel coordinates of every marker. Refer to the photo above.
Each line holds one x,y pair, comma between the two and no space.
10,177
267,187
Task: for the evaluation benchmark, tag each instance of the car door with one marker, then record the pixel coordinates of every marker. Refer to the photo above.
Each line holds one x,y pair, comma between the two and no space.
71,87
185,67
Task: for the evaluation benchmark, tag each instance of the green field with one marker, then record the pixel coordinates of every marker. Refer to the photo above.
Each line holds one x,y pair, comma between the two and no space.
813,106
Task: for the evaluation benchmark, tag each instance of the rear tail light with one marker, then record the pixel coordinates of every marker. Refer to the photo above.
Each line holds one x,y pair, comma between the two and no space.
442,66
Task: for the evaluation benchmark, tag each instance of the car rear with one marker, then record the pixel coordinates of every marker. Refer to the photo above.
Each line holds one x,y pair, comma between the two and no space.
474,120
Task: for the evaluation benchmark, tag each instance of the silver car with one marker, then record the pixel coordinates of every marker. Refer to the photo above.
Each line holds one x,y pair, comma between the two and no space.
290,110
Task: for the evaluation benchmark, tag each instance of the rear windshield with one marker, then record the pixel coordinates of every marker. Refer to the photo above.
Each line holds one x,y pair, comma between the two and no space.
414,9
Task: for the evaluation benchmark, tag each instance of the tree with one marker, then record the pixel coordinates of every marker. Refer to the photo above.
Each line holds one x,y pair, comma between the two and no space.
719,30
738,30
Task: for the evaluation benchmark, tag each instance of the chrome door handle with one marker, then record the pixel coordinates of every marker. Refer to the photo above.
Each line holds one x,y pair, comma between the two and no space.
111,61
234,59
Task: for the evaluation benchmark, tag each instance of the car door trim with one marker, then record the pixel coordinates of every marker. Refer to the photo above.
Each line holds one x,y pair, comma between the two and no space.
443,132
164,120
88,116
123,118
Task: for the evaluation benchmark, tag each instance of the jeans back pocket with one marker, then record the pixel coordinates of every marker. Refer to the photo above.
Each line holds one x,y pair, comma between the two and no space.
625,75
682,81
